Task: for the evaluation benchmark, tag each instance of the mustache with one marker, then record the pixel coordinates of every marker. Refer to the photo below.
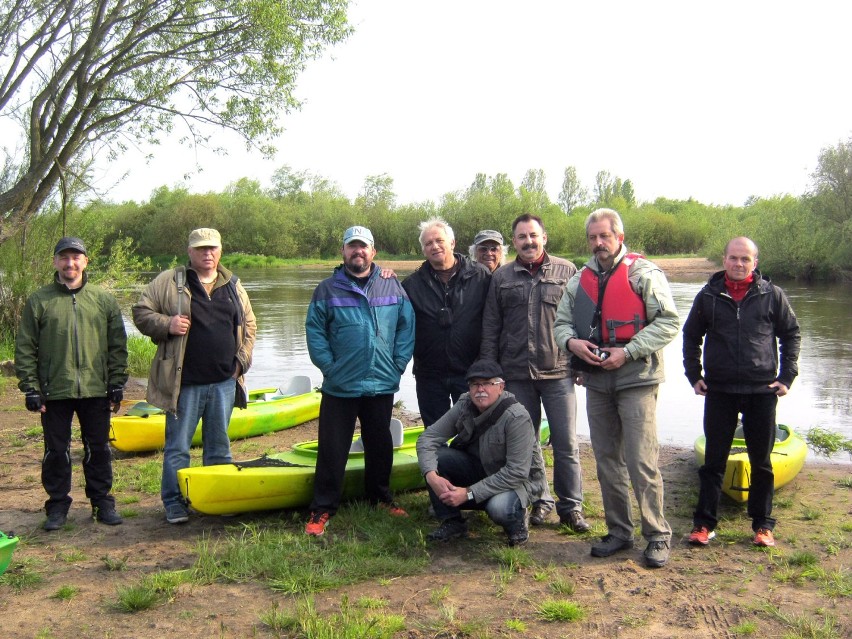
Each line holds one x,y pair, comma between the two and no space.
481,395
601,249
531,245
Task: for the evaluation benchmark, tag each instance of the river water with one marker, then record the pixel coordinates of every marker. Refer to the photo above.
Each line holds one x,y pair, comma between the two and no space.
821,395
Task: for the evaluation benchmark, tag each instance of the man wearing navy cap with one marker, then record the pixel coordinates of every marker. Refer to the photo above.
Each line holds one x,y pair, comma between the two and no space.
360,334
493,462
71,357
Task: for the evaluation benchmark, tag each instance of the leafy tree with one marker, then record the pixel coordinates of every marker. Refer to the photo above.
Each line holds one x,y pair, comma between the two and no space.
572,194
533,190
377,192
95,76
833,184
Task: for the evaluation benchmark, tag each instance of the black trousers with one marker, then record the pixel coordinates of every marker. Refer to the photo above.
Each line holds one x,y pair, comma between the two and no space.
720,423
336,429
93,414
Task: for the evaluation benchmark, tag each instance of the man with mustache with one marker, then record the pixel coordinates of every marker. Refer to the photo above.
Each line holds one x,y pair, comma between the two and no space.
71,357
448,292
360,334
615,317
745,323
493,461
517,332
488,249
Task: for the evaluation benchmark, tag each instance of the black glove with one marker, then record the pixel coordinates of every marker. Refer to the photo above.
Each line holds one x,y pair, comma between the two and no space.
34,400
115,393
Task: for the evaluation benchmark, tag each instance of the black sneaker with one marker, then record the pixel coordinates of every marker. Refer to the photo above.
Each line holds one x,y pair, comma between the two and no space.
575,521
107,515
609,545
449,529
656,554
55,520
540,513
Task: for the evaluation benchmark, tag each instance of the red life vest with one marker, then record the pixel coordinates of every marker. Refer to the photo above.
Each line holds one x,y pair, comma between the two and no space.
622,313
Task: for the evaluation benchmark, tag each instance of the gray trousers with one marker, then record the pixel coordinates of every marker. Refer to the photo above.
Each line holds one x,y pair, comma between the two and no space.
623,430
560,406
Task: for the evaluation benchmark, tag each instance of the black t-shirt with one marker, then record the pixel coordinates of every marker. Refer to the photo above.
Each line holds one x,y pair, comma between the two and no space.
211,344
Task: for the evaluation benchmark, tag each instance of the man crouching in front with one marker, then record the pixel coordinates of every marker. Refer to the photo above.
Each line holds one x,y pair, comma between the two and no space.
493,463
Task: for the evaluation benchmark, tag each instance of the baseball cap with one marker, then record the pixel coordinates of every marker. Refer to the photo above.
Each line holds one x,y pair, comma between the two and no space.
72,244
205,237
358,233
488,235
484,369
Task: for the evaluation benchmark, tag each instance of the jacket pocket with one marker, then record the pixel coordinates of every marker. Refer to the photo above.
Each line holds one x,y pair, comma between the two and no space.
163,375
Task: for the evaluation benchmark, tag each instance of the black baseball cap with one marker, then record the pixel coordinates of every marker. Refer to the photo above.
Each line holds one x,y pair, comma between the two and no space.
484,369
72,244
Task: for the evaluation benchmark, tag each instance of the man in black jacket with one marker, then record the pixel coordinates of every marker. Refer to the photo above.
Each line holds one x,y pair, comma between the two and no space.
745,321
448,294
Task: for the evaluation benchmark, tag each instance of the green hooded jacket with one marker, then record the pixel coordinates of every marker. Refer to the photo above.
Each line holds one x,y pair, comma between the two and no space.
71,344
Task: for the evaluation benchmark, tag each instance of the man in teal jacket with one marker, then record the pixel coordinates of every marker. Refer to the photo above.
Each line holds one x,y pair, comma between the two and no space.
360,334
71,357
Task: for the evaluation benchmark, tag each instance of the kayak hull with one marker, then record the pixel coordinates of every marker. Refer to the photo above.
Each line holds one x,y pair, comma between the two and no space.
788,458
226,489
132,433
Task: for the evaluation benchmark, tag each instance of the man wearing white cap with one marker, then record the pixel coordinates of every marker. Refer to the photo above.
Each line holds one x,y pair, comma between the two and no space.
201,320
360,334
489,249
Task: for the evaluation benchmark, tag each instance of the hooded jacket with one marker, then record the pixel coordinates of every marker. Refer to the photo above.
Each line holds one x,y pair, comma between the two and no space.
741,342
71,344
361,340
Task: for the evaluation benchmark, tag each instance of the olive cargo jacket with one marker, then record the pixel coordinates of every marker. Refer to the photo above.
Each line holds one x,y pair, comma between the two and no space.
152,314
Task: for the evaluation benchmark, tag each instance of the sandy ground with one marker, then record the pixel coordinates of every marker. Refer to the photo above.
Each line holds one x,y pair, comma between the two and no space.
724,590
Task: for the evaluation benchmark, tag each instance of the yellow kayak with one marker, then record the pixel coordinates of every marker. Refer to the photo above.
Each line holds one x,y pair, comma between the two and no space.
143,427
286,480
788,457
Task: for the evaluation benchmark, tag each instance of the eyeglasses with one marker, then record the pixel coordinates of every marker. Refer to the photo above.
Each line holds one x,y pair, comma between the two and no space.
483,385
488,249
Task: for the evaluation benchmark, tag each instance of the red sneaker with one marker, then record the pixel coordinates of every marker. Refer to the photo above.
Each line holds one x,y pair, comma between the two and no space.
763,537
316,524
392,508
700,536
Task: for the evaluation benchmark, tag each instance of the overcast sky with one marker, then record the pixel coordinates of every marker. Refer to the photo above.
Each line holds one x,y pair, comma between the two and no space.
716,101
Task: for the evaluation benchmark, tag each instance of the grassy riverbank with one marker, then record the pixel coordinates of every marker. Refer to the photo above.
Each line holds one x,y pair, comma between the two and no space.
373,576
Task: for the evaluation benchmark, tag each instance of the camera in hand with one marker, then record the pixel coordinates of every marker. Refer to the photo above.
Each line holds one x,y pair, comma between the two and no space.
602,354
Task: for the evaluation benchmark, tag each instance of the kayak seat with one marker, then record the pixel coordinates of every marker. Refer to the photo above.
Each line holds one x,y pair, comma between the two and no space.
396,434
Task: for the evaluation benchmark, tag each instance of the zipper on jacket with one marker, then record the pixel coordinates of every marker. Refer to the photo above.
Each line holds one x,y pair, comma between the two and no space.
76,338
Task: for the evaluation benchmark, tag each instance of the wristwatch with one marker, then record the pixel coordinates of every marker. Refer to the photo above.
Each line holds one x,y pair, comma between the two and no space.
470,495
627,356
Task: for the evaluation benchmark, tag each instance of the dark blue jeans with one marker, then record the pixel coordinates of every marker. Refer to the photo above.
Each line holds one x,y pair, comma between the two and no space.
720,421
436,395
464,469
93,414
336,429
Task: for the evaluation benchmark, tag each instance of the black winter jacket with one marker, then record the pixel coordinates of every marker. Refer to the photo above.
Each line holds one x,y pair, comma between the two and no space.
741,342
446,343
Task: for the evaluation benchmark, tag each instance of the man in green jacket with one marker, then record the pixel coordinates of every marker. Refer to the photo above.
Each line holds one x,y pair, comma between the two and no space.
71,357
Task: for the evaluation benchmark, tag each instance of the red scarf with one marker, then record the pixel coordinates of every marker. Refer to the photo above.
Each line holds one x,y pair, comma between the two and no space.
738,290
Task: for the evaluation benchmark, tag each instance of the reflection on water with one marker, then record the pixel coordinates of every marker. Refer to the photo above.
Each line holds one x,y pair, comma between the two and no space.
821,395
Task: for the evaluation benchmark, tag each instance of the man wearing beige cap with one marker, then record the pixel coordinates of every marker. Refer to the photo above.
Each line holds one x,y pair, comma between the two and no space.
201,320
489,249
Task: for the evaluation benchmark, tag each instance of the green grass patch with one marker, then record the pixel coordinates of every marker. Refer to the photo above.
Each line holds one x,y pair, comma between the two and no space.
151,591
65,593
349,622
140,354
141,477
559,610
360,544
21,575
